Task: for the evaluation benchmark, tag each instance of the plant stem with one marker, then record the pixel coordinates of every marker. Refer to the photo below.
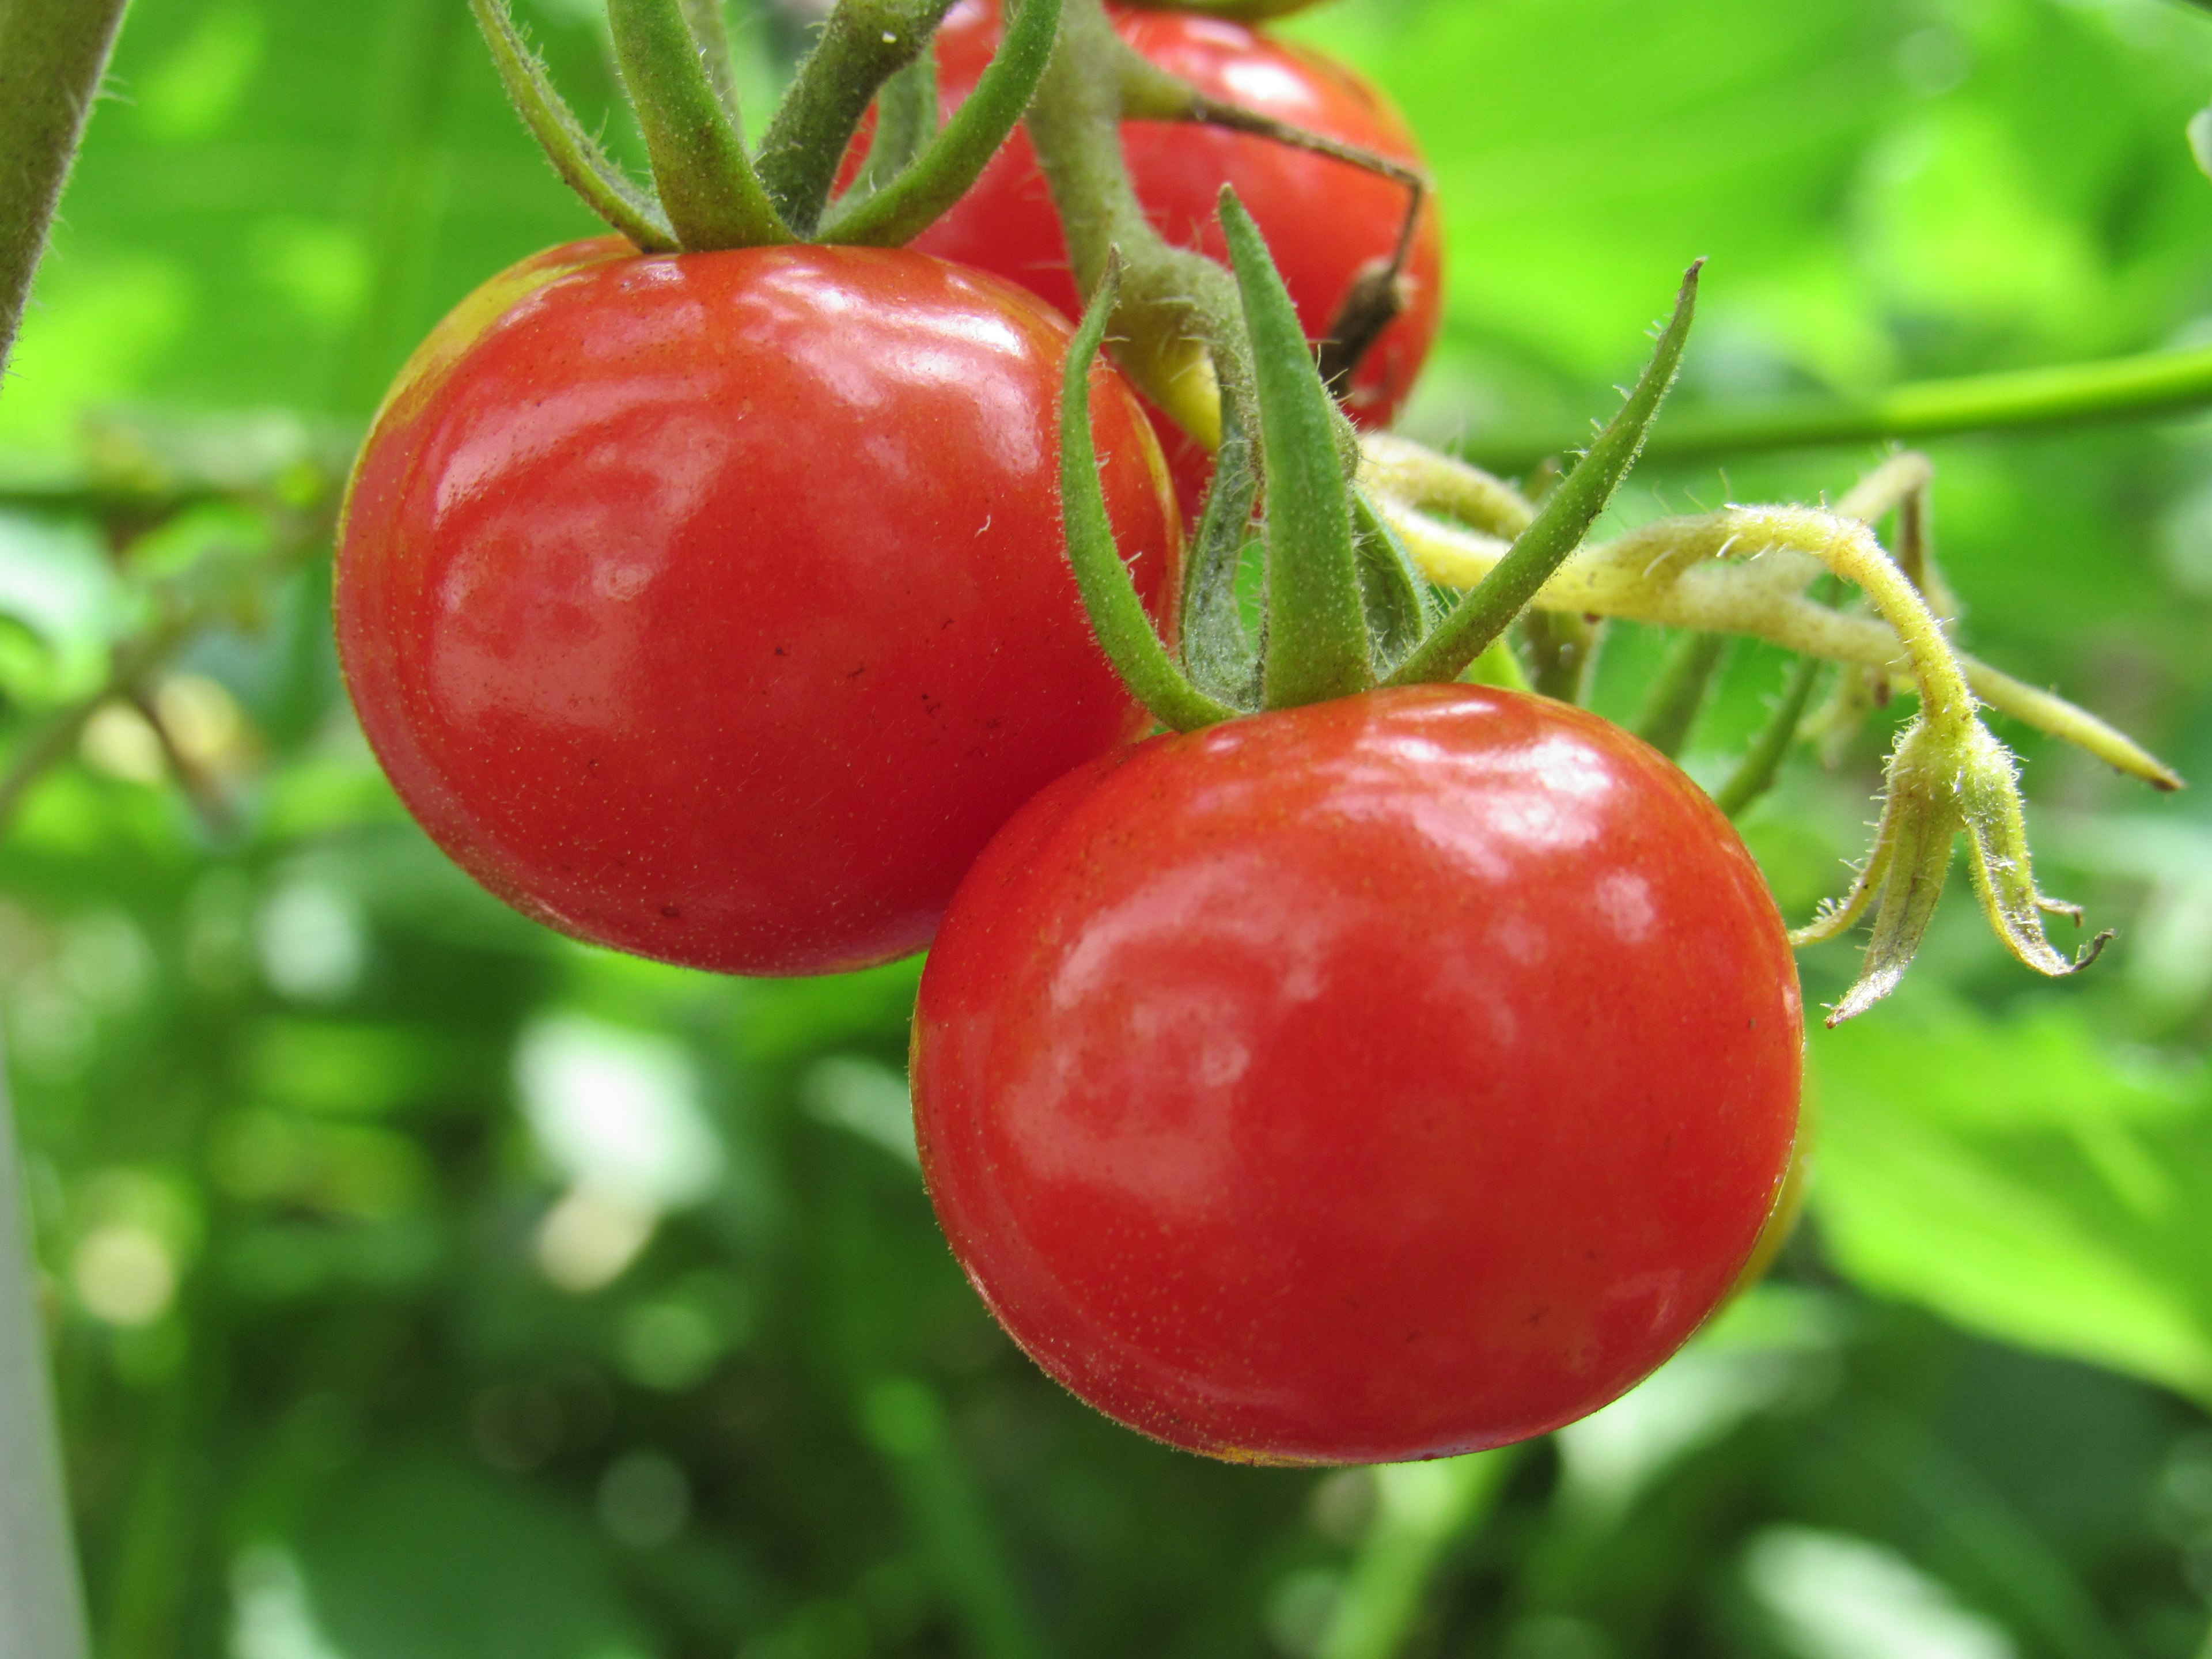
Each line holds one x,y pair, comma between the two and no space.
707,187
1183,340
955,156
2117,389
864,44
41,1610
1677,697
53,53
1756,772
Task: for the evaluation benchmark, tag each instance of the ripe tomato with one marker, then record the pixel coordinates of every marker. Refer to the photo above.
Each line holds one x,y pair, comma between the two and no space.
1324,220
1380,1079
713,607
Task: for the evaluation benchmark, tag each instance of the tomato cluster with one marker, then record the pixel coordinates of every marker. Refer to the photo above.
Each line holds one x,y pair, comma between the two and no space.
1383,1077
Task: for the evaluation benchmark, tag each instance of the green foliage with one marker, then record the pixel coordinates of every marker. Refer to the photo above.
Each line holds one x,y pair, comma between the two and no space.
379,1332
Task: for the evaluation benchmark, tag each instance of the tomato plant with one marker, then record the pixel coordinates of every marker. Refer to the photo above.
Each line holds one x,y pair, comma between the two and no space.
711,606
1382,1078
1325,222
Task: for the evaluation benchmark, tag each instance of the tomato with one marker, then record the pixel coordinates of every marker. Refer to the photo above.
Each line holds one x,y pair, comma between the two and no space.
713,606
1380,1079
1324,220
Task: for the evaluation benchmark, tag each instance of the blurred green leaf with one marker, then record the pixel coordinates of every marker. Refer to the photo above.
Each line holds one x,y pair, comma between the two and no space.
2023,1178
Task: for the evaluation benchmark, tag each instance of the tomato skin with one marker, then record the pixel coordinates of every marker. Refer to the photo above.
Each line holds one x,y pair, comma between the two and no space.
713,607
1381,1079
1323,221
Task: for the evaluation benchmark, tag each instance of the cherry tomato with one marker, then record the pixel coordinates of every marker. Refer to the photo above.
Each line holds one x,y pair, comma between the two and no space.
1381,1079
1324,220
713,606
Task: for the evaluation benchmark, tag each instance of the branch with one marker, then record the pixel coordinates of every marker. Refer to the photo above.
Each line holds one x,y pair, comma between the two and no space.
2118,388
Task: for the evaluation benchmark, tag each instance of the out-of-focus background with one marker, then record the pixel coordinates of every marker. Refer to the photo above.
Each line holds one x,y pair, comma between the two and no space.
423,1284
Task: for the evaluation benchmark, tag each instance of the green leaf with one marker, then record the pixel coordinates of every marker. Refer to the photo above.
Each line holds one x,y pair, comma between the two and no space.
2023,1180
1218,649
1110,593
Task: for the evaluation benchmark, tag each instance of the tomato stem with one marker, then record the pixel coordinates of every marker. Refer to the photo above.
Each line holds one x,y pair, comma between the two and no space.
906,122
1181,326
1150,93
576,155
708,27
865,44
955,157
2116,389
1565,518
713,197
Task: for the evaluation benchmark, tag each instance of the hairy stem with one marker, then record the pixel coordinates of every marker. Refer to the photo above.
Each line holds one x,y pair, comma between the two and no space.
1751,598
955,157
584,167
866,43
1182,336
708,186
53,53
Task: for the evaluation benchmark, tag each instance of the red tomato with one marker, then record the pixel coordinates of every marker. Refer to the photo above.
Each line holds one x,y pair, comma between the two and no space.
1381,1079
1324,222
713,607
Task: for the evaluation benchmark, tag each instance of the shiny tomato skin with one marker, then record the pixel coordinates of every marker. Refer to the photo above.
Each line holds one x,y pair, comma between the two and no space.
713,607
1323,221
1382,1079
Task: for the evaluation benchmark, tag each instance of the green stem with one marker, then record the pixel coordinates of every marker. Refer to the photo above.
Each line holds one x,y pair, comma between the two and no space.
1677,697
1565,519
713,197
53,53
1180,328
576,155
906,122
2117,389
42,1608
712,31
1755,773
864,43
957,156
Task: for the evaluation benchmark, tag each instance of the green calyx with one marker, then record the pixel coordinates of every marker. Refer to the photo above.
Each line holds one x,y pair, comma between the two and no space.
709,192
1345,608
